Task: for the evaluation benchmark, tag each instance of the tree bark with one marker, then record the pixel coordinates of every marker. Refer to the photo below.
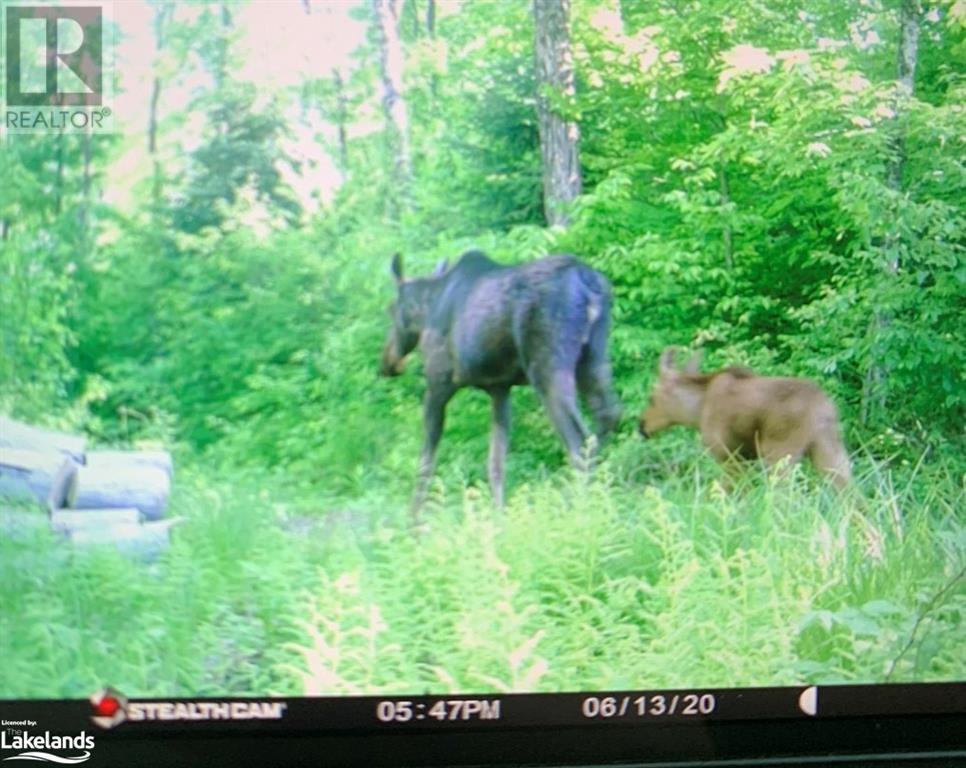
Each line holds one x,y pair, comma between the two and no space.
59,181
559,138
726,234
910,15
86,189
341,121
391,64
162,13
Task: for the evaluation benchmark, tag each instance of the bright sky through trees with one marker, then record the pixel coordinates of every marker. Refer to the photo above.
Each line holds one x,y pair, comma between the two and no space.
279,46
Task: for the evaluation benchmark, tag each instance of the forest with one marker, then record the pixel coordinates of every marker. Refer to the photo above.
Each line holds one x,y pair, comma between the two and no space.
779,183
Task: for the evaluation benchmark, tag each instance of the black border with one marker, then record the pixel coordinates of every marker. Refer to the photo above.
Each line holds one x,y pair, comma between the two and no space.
314,736
920,740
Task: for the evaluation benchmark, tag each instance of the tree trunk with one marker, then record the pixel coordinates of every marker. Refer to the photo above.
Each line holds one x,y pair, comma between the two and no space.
59,181
162,12
86,190
726,235
910,15
391,64
341,121
559,138
909,18
153,117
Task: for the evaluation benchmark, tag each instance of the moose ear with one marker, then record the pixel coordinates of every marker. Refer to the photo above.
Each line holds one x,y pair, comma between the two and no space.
441,268
396,268
666,363
694,363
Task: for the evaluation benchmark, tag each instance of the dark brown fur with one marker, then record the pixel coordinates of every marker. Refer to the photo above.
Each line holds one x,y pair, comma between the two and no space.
743,415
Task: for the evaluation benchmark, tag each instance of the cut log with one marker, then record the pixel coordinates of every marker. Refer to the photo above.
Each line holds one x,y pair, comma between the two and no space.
36,476
66,520
145,541
16,434
145,488
124,459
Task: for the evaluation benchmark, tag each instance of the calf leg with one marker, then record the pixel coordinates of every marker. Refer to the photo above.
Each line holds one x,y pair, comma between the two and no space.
499,439
773,452
728,461
830,458
434,414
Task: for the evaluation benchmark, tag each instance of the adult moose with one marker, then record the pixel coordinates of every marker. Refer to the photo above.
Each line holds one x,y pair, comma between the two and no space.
743,415
490,326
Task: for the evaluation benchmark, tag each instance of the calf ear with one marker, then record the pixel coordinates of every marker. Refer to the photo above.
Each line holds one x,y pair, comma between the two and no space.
396,268
441,268
666,363
694,364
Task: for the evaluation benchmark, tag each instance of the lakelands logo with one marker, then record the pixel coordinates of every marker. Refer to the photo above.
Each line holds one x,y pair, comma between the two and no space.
36,747
55,59
112,708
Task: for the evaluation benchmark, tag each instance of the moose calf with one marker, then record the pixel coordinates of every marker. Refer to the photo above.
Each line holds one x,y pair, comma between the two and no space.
743,415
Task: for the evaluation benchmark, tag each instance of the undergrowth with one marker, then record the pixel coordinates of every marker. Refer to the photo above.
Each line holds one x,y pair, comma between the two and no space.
634,576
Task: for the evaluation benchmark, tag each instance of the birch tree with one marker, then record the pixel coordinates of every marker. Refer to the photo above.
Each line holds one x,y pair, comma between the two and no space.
559,137
910,15
391,65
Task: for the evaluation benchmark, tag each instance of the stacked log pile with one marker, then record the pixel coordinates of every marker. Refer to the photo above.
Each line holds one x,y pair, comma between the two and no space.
90,497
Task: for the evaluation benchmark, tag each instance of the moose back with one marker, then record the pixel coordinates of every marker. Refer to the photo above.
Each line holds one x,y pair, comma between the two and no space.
490,326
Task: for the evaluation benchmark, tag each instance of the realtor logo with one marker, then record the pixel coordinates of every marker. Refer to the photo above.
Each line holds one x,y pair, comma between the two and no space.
55,59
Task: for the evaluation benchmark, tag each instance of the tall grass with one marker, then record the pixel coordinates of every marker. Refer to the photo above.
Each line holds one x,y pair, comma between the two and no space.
642,574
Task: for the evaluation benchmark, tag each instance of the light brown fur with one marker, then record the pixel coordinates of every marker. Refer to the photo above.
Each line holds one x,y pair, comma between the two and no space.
743,415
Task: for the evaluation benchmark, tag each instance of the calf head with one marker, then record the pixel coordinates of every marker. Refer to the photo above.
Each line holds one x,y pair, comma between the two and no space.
676,397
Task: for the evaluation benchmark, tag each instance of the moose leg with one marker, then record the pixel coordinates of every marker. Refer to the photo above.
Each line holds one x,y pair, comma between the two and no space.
595,385
594,380
559,395
434,413
499,439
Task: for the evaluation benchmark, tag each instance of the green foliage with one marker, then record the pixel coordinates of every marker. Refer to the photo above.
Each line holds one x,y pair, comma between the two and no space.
239,155
626,579
46,213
